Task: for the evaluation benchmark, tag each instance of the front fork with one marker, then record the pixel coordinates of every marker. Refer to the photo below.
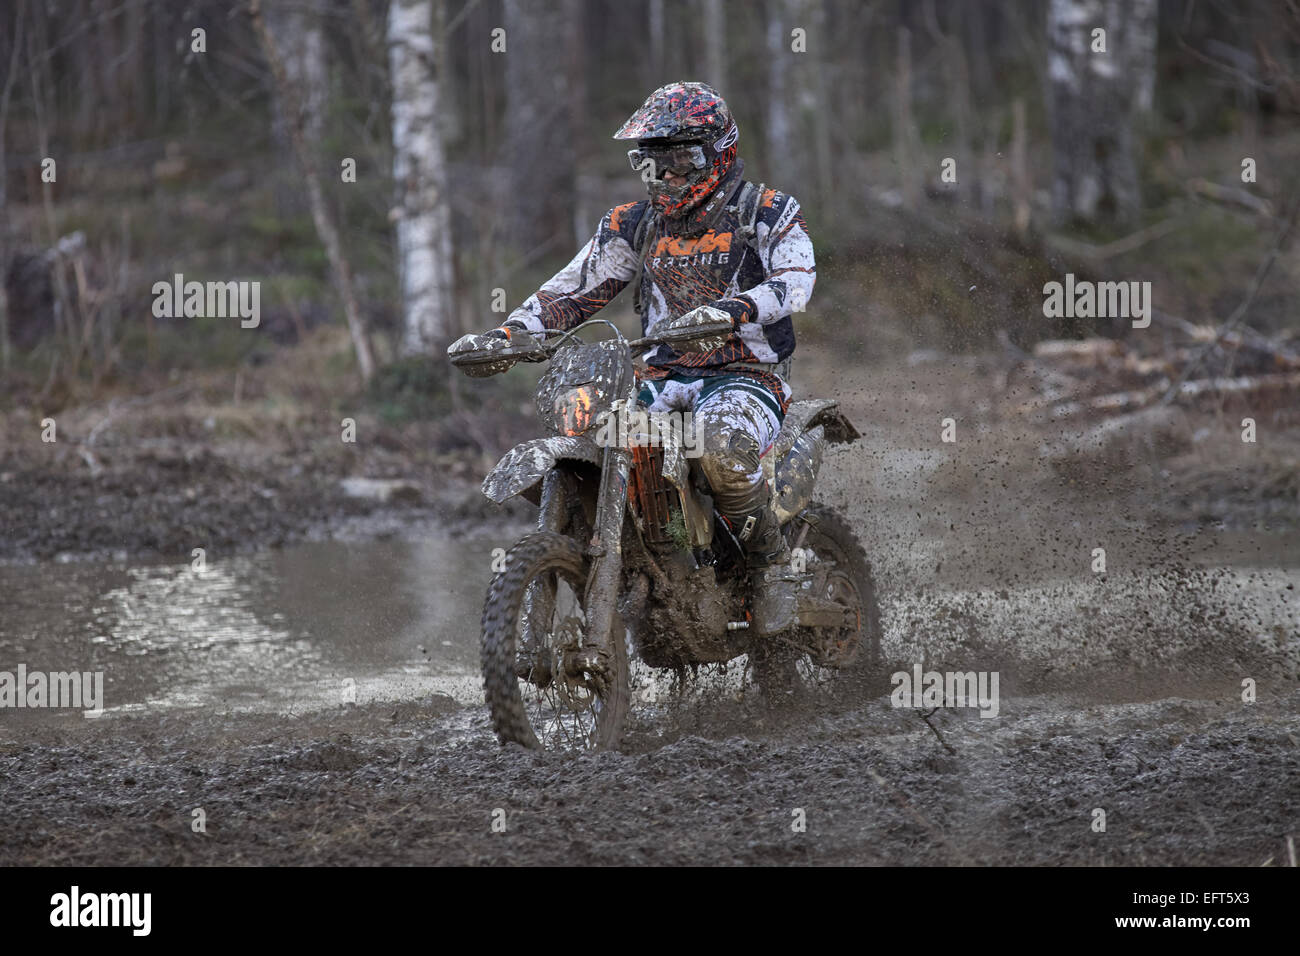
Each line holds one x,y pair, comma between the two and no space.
554,503
606,546
606,552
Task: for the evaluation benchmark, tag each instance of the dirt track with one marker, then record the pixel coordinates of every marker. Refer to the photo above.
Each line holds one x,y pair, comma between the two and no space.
1182,782
1120,691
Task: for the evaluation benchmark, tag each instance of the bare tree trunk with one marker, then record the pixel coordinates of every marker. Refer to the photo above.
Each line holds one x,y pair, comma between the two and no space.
320,212
301,42
1022,185
137,70
451,92
421,211
798,130
658,44
159,47
41,87
372,56
296,28
1140,53
906,153
816,99
780,125
585,215
82,120
979,41
957,80
540,155
15,54
1094,97
714,19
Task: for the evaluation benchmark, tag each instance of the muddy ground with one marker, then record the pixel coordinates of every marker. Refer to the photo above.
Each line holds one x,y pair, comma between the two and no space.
1182,782
1121,691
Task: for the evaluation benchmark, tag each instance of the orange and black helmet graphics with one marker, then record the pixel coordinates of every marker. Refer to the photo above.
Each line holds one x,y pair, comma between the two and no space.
685,128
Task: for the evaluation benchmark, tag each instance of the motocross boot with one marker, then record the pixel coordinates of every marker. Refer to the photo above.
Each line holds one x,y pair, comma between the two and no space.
772,580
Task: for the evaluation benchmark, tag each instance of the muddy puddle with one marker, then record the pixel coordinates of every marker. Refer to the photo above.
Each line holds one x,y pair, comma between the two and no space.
323,624
307,627
229,691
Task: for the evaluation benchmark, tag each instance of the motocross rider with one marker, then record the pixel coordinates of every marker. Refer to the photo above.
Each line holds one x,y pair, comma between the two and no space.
711,247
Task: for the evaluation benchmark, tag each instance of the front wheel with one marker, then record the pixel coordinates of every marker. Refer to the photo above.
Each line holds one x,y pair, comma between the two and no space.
549,684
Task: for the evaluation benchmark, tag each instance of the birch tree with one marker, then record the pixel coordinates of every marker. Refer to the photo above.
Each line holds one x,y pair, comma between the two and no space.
420,211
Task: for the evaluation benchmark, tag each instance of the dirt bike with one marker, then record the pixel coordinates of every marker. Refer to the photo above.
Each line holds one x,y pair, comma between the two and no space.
630,556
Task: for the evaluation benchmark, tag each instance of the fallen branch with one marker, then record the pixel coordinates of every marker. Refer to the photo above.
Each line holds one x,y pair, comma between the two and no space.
1087,250
938,736
1140,398
1093,351
1245,338
1227,194
1283,233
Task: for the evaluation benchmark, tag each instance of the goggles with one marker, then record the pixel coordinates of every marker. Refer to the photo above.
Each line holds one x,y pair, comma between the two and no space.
653,162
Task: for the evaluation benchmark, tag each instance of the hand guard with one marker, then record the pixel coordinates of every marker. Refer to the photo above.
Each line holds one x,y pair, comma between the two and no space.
497,338
704,315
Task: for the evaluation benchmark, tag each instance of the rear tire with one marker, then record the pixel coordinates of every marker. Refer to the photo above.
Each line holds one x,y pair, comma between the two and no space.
811,658
850,583
534,623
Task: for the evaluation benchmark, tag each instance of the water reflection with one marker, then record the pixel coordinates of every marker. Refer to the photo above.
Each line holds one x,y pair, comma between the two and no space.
283,631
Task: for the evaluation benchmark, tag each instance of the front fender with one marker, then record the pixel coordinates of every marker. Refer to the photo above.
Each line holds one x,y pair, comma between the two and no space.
527,463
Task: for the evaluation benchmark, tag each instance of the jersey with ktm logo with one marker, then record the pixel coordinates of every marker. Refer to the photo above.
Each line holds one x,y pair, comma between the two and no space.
760,283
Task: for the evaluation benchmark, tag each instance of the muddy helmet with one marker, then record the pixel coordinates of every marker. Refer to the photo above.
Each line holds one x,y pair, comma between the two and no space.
686,129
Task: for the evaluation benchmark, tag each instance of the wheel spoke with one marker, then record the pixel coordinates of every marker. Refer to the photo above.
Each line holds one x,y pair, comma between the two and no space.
541,689
565,714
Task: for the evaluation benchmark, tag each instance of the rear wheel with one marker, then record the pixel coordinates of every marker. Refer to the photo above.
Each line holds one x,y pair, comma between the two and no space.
838,571
549,684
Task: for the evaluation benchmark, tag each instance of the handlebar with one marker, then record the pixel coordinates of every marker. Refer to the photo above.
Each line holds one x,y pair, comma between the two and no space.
683,335
547,349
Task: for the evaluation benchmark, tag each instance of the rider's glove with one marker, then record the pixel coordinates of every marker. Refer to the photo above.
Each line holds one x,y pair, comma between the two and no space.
704,315
498,338
740,308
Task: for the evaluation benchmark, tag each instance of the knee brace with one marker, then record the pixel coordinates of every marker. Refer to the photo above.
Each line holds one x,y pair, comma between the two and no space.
730,463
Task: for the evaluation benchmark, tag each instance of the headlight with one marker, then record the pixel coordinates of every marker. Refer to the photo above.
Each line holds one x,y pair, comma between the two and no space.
575,409
578,387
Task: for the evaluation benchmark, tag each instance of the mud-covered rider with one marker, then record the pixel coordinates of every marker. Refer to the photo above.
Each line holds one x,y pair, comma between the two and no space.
706,245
